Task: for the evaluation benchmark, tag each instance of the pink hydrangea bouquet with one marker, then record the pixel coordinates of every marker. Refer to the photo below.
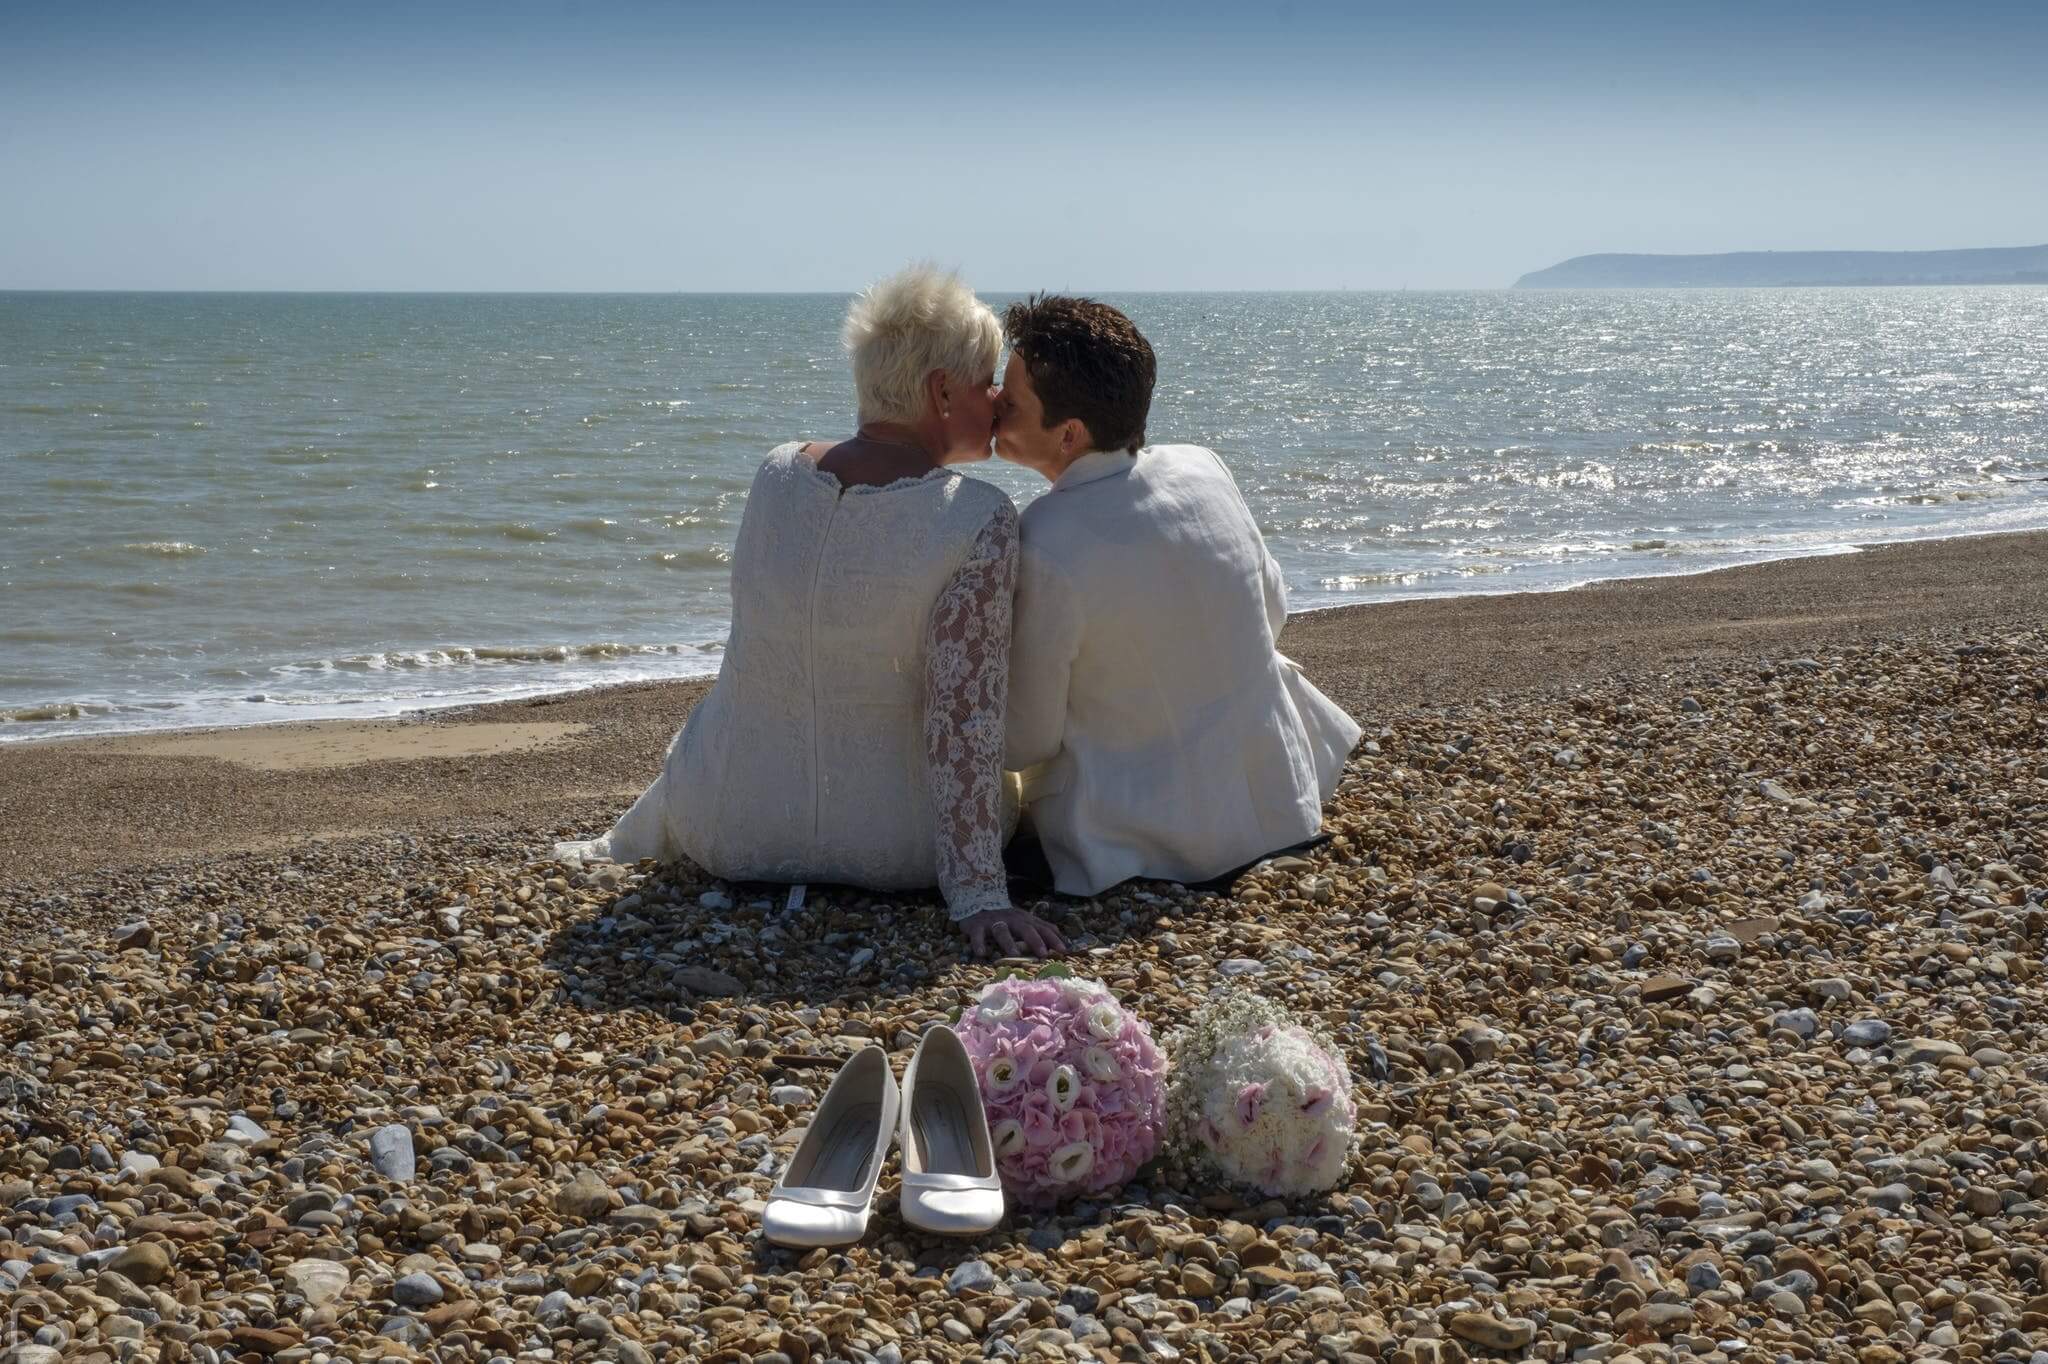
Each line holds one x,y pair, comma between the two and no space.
1074,1086
1261,1099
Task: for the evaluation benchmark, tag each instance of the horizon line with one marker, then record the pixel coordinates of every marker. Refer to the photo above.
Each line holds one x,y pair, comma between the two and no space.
756,293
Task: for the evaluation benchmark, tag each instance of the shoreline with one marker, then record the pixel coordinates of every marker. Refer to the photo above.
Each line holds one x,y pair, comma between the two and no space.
564,764
416,713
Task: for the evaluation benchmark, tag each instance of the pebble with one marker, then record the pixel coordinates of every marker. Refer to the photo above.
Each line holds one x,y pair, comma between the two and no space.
1802,1023
599,1074
1493,1333
586,1197
1925,1051
147,1264
319,1282
391,1153
417,1290
971,1276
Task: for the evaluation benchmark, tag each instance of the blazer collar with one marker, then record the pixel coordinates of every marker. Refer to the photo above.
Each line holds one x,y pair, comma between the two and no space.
1096,464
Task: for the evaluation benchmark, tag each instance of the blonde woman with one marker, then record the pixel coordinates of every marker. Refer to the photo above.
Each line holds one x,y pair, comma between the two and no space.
855,733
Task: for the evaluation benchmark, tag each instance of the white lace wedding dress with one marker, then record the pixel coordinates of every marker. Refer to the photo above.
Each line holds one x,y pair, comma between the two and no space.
855,733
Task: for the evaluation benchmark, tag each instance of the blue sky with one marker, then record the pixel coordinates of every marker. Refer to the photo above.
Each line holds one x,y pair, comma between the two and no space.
1101,146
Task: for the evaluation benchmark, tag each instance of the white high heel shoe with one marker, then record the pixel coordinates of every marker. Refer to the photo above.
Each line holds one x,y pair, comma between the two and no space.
950,1185
828,1189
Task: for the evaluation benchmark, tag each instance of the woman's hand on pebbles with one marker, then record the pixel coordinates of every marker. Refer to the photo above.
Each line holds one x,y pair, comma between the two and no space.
1012,933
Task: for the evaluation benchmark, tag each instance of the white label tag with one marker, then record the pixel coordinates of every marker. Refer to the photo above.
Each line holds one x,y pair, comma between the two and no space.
795,901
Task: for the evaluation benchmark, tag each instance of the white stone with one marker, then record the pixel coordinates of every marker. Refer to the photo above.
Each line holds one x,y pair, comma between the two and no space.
319,1282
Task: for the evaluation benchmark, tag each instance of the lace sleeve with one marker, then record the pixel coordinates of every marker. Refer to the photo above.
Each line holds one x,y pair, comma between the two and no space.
966,690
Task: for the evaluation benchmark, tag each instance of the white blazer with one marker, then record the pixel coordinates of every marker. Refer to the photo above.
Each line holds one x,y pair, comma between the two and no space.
1159,731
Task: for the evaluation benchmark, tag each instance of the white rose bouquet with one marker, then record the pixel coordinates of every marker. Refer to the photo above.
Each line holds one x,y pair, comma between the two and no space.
1259,1098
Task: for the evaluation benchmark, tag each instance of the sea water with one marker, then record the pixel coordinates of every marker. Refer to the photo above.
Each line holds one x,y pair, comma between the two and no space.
233,508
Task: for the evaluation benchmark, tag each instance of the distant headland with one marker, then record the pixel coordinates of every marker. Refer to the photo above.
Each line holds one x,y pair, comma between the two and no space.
1791,269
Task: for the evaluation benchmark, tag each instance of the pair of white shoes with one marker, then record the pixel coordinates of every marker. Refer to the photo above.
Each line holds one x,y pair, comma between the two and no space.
950,1185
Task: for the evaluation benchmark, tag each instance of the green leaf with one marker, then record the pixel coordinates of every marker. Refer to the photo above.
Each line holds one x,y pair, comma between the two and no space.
1053,970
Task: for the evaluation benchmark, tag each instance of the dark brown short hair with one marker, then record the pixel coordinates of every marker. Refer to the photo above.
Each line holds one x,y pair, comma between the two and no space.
1086,360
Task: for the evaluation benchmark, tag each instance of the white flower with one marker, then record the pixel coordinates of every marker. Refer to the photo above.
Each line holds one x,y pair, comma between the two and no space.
1077,993
1100,1064
1105,1019
1002,1073
1071,1162
999,1009
1064,1087
1007,1137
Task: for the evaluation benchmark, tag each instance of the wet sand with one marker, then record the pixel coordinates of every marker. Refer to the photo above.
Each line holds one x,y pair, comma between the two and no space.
565,765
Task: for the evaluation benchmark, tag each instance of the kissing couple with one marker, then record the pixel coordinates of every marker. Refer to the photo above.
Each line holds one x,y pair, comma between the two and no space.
914,669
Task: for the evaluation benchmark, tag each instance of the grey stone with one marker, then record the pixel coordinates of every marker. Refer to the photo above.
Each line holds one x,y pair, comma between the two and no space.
1924,1051
586,1196
406,1331
417,1290
971,1275
1802,1023
391,1153
704,980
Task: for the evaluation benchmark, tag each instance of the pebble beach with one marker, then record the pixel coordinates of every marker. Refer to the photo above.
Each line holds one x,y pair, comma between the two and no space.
1684,938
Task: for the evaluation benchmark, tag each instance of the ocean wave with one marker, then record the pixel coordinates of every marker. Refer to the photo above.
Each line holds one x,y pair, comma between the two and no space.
484,655
1407,577
371,685
524,532
703,556
29,715
169,549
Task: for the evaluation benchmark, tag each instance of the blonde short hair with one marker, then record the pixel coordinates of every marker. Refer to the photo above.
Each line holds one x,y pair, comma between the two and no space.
902,328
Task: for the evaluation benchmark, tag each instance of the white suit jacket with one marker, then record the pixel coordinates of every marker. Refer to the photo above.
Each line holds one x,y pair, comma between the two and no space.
1159,731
